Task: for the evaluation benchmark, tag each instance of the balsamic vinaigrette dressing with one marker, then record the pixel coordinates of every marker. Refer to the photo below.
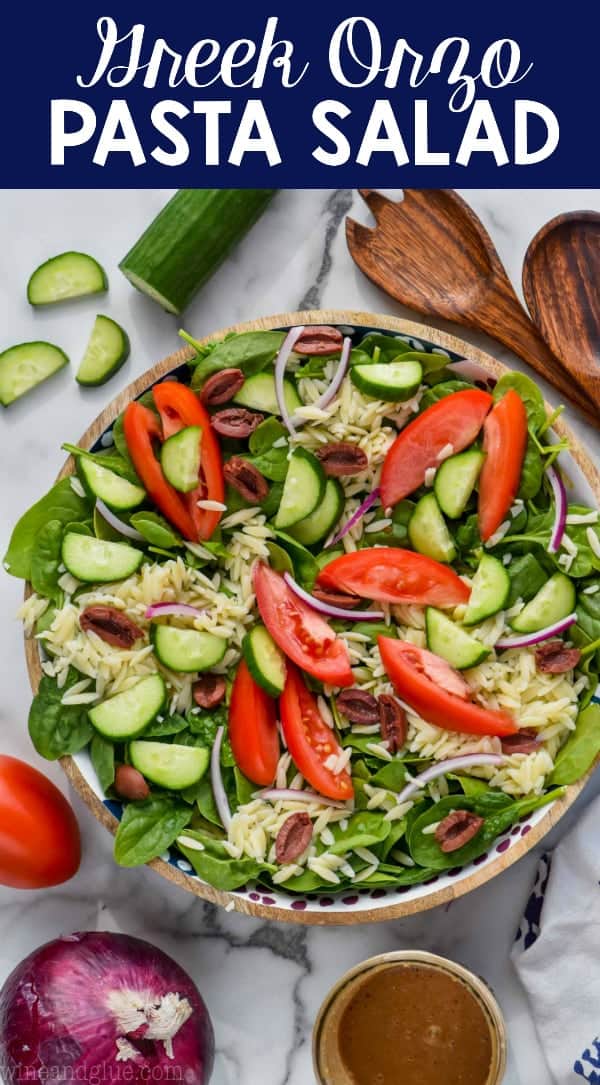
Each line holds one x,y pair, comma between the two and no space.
411,1024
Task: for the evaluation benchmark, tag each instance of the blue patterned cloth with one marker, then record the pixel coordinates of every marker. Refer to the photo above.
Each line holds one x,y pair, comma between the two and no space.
557,953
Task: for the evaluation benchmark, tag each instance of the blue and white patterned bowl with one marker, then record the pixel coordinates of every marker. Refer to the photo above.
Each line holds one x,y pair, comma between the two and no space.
361,905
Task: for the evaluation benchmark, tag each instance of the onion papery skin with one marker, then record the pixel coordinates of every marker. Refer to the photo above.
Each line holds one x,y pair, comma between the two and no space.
56,1025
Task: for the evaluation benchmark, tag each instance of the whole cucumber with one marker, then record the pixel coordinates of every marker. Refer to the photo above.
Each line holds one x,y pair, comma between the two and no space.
188,240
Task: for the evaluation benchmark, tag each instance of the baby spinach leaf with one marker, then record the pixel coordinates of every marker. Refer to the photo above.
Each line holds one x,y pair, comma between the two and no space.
306,569
440,391
102,753
279,558
389,346
526,578
60,503
363,830
155,529
205,368
57,729
430,361
202,794
248,351
169,725
529,393
587,629
392,776
265,435
273,463
388,875
586,560
580,749
396,833
147,828
467,534
532,472
46,560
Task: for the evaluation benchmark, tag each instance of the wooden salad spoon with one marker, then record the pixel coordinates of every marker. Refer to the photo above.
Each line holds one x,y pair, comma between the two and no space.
561,277
431,252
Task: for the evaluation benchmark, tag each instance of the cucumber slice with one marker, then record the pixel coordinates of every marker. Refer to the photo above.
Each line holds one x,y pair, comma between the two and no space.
265,662
258,393
68,275
455,481
169,765
554,601
394,381
302,490
489,591
324,518
326,556
116,492
107,350
180,458
452,643
187,650
127,714
428,532
188,240
25,366
90,559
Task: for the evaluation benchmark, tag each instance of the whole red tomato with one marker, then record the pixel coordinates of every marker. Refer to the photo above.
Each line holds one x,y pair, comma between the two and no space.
39,836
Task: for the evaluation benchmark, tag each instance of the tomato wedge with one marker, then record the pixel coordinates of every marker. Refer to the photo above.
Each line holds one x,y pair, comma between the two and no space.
142,430
310,741
504,444
299,631
454,420
436,691
391,575
179,407
253,728
39,836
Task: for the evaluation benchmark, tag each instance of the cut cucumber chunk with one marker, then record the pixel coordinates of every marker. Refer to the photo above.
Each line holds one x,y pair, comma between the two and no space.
115,491
127,714
265,662
180,458
489,591
107,350
455,481
90,559
187,650
428,532
169,765
324,518
394,381
258,392
452,643
188,240
25,366
68,275
554,601
302,490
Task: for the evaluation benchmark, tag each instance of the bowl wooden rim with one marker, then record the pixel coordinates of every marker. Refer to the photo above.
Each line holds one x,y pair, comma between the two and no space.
322,917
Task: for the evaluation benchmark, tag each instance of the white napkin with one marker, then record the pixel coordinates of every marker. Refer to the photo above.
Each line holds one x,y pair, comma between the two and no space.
557,953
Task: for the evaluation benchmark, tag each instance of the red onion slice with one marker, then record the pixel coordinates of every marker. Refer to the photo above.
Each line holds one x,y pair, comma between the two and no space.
528,639
179,610
463,761
289,794
221,801
331,392
368,503
116,524
328,609
560,509
472,371
282,359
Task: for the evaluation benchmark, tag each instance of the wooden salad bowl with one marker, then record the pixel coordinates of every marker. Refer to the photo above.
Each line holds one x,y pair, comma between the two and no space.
331,915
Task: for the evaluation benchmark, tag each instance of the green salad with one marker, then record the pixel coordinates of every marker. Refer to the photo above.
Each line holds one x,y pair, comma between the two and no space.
322,611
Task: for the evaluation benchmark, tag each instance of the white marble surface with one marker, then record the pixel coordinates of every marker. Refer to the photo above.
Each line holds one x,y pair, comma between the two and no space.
262,982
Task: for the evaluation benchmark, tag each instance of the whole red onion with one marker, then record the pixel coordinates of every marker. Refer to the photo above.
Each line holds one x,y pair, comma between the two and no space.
101,1007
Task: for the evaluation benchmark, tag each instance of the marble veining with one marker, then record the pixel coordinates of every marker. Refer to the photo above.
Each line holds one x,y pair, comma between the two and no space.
263,982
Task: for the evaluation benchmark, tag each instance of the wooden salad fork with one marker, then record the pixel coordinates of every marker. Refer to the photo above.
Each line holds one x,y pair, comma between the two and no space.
431,252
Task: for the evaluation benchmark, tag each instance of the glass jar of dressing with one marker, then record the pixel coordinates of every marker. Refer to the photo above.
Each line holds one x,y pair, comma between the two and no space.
413,1018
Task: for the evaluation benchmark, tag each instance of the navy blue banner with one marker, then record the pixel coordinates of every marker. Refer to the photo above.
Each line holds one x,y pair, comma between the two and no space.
194,95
